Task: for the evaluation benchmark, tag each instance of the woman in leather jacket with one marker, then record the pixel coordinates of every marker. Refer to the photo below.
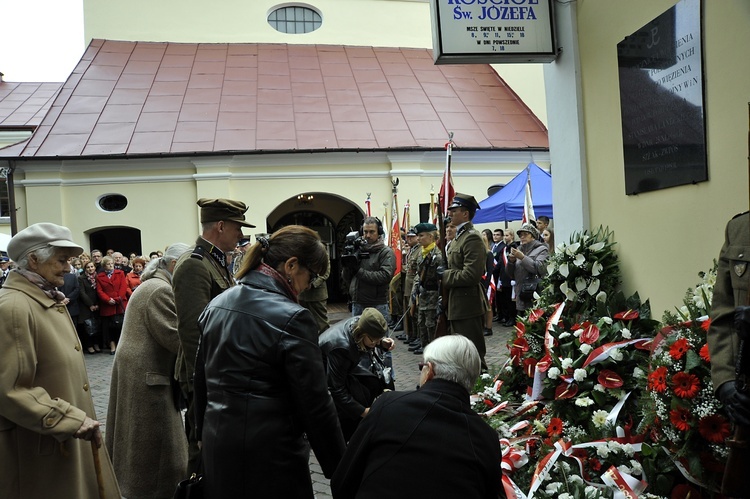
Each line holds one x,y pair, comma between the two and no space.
355,375
260,384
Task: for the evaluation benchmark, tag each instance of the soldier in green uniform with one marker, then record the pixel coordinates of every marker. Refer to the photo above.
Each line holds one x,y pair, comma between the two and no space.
730,295
409,272
467,259
426,290
201,275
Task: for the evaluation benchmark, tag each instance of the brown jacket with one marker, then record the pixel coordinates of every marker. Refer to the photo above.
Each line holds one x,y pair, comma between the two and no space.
44,398
467,261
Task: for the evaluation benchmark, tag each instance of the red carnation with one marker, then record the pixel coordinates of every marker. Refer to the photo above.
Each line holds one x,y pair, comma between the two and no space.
555,427
686,386
535,315
680,418
609,379
627,315
706,324
528,366
679,348
705,355
566,390
657,380
714,428
590,334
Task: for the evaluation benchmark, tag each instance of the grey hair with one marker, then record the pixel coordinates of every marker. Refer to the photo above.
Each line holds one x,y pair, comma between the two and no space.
42,255
172,253
454,358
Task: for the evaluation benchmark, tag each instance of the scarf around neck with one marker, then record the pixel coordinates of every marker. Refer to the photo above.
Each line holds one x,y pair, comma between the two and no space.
426,249
273,273
43,284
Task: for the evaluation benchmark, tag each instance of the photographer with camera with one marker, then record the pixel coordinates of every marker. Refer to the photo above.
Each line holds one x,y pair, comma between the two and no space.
368,267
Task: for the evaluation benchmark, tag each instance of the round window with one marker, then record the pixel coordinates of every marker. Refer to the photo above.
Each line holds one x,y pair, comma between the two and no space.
113,202
294,19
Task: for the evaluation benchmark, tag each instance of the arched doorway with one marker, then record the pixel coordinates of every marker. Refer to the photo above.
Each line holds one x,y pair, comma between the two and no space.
332,216
126,240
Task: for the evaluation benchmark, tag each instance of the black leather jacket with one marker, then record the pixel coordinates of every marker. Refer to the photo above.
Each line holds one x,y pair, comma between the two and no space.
259,386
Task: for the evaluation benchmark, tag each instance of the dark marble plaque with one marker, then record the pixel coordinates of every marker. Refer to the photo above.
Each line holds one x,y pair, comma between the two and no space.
661,100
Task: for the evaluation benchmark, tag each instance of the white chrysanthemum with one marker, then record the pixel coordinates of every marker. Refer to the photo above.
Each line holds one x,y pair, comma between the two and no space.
591,492
626,333
602,451
580,374
635,467
565,495
599,388
486,376
593,287
614,446
580,284
576,479
584,402
567,363
601,297
624,469
579,260
599,418
639,373
615,354
553,373
597,246
553,487
585,348
596,269
628,449
607,320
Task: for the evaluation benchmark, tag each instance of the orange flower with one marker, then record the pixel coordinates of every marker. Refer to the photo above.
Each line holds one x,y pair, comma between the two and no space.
714,428
679,348
705,355
680,418
657,380
555,427
686,386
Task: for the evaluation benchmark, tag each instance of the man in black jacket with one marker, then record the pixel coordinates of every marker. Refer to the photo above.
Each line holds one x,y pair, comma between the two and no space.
447,448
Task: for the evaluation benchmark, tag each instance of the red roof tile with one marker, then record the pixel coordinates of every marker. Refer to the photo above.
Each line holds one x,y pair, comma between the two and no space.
25,104
140,98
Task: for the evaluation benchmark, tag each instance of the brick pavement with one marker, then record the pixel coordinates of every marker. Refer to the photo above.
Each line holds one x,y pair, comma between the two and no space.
99,369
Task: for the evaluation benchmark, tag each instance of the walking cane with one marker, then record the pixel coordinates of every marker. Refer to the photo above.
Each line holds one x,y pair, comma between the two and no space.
98,469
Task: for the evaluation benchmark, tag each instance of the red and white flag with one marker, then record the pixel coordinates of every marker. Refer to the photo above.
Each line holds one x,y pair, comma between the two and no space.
447,191
368,210
528,205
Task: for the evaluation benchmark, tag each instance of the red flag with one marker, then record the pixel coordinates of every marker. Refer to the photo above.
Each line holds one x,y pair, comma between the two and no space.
447,192
367,206
396,236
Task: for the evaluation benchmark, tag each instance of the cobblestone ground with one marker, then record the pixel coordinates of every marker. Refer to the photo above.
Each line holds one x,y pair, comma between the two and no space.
99,369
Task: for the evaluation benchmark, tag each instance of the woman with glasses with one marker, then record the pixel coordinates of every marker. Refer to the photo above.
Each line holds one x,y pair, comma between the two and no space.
260,385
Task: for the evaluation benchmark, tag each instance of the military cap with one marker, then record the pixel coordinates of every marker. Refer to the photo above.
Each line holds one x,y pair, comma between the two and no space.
527,227
40,236
4,259
464,201
243,242
216,210
412,231
425,227
372,323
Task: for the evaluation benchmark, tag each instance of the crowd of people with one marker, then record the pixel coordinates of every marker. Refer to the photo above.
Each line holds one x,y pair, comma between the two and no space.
224,364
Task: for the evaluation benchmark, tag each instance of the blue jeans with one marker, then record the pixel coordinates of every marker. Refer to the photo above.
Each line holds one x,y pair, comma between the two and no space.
357,309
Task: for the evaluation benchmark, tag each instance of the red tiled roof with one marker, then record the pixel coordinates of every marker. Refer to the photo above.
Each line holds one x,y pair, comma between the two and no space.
25,104
136,98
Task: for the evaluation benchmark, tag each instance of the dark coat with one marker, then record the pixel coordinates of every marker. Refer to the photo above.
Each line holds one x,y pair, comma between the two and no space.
448,450
87,298
71,290
260,386
369,284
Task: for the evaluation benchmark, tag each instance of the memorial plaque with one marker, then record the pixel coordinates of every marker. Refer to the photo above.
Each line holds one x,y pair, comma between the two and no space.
661,101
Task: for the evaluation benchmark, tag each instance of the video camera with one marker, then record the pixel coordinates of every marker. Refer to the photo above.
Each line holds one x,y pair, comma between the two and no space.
354,250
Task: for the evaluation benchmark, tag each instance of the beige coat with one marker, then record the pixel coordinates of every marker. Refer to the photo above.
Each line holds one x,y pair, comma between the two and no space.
44,398
145,435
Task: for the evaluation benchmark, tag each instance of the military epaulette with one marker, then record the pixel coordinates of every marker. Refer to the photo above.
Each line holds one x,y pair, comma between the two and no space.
740,214
198,253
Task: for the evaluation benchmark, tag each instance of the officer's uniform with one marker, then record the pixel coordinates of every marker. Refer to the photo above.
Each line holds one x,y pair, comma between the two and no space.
730,291
467,263
198,277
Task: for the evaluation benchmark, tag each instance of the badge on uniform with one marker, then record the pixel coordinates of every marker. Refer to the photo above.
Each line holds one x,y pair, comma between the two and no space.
739,268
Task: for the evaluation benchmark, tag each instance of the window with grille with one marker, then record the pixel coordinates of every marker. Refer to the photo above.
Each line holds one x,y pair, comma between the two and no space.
294,19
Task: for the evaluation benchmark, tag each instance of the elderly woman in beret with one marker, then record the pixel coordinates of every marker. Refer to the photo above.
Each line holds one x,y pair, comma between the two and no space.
527,261
50,443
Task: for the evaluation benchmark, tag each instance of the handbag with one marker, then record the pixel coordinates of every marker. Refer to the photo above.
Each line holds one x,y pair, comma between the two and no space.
191,488
92,326
528,287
